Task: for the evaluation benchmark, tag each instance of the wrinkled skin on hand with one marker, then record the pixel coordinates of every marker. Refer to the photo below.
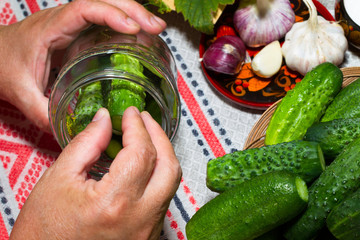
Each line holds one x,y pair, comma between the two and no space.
27,47
128,203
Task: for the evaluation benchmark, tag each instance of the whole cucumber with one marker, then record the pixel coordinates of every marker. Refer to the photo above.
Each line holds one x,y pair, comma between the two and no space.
304,104
340,179
125,93
250,209
333,136
300,157
346,104
90,100
344,220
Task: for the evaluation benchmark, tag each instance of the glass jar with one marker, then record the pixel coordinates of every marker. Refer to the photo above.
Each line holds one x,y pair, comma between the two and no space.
96,60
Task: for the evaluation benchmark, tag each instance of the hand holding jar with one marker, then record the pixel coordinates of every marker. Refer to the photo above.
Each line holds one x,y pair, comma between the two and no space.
32,43
129,202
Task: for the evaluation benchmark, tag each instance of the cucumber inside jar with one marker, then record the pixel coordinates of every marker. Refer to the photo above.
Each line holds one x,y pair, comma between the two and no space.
114,94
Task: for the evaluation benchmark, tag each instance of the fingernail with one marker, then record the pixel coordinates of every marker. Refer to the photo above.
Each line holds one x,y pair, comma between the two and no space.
145,113
131,22
157,21
99,115
136,110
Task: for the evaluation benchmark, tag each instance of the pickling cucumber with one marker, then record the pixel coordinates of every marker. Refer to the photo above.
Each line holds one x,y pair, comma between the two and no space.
250,209
304,104
300,157
127,64
346,104
89,101
340,179
113,148
344,220
124,93
333,136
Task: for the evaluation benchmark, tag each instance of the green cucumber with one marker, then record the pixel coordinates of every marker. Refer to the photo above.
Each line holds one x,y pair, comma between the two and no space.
124,93
333,136
127,63
120,98
89,101
340,179
304,104
300,157
346,104
344,220
250,209
114,147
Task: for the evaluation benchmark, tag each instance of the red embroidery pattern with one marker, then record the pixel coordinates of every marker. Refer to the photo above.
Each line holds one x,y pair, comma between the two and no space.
174,225
38,165
6,14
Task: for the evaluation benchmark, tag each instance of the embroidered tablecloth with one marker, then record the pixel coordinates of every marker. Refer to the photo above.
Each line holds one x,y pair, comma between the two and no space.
210,127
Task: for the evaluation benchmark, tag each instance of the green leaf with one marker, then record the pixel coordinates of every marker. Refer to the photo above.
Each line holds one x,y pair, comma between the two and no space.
199,13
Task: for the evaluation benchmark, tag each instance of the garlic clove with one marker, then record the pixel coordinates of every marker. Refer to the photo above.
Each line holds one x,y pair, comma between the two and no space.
268,61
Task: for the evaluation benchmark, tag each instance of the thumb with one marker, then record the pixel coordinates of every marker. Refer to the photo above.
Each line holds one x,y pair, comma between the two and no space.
85,149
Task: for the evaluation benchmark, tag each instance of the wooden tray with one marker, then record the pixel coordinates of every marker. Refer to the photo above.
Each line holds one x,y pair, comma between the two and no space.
256,136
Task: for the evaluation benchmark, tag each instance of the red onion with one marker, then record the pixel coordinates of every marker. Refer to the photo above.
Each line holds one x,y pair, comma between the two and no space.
225,55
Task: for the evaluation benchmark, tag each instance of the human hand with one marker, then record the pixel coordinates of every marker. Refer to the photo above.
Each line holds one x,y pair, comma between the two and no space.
30,45
129,202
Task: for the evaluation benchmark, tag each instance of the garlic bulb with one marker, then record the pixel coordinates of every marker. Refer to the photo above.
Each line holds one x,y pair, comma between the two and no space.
264,22
314,41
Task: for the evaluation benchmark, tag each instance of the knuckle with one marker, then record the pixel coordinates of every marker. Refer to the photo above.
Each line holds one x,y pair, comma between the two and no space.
109,210
176,170
147,151
79,5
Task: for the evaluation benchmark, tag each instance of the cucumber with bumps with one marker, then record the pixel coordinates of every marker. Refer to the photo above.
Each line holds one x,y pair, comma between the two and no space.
333,136
344,220
127,63
304,104
340,179
89,101
346,104
250,209
300,157
124,93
